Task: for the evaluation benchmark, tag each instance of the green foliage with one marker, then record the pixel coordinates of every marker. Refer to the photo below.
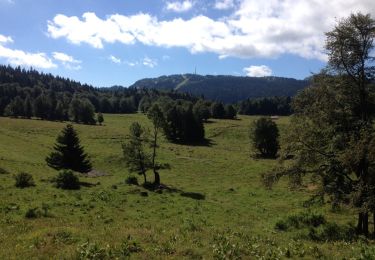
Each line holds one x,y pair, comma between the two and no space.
266,106
333,232
32,213
303,219
100,118
68,153
264,135
91,251
3,171
217,110
137,159
131,180
181,125
24,180
82,111
67,180
201,110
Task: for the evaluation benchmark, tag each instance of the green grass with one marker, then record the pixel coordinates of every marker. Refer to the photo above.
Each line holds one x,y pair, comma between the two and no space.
236,219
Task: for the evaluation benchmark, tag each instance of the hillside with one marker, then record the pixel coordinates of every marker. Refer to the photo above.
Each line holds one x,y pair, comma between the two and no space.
217,200
228,89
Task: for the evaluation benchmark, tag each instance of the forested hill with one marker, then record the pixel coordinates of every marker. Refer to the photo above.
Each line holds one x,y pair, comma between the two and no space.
228,89
29,93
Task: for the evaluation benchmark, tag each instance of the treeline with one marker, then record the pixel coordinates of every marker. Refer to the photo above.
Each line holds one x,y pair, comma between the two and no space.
266,106
183,119
29,93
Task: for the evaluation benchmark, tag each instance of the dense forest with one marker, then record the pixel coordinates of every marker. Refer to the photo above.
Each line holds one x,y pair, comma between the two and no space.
29,93
227,89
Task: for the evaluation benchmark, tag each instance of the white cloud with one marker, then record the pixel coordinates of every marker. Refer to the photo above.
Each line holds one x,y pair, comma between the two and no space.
258,71
5,39
22,58
224,4
146,61
254,29
180,7
149,62
67,61
114,59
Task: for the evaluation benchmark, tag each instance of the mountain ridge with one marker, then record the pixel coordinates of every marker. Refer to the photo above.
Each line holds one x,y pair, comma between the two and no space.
224,88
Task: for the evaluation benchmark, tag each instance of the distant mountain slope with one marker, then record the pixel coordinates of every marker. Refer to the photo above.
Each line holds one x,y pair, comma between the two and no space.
228,89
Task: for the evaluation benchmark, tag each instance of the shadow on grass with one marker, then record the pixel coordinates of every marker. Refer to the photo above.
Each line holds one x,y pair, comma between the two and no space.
88,184
205,142
164,188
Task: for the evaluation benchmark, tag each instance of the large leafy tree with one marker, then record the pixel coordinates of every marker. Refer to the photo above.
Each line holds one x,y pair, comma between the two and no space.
331,135
68,153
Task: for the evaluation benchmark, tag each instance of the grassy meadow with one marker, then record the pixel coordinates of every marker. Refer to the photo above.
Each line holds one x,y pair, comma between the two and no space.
217,207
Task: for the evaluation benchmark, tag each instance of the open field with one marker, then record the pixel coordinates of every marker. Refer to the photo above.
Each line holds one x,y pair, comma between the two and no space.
236,216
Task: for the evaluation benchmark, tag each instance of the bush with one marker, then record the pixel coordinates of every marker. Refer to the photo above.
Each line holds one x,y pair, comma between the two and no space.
303,219
3,171
131,180
24,180
32,213
67,180
264,135
332,232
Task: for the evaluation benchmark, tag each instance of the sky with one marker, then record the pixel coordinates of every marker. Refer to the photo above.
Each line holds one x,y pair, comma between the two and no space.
117,42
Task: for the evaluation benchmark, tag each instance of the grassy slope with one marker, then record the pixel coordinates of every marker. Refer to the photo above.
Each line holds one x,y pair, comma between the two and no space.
236,207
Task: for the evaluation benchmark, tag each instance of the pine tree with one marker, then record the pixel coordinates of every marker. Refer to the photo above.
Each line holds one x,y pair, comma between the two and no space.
68,153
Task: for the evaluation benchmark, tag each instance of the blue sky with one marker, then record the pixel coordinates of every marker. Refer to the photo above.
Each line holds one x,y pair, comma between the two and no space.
116,42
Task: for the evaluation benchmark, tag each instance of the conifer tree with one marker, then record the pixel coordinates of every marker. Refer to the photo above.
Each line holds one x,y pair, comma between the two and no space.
68,153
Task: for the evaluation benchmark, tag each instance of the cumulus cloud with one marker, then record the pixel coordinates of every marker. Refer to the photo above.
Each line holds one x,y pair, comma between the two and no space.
114,59
179,7
258,71
254,29
67,61
224,4
22,58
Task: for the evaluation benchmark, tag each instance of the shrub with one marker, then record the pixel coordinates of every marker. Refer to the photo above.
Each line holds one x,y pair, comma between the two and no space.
32,213
303,219
3,171
131,180
128,247
332,232
91,251
67,180
24,180
264,135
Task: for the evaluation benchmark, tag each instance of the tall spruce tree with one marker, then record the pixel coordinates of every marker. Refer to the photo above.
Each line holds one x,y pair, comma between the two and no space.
68,153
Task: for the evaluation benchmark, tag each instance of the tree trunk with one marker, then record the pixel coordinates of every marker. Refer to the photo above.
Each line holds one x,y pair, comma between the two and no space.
374,222
157,178
360,223
144,176
362,226
365,224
